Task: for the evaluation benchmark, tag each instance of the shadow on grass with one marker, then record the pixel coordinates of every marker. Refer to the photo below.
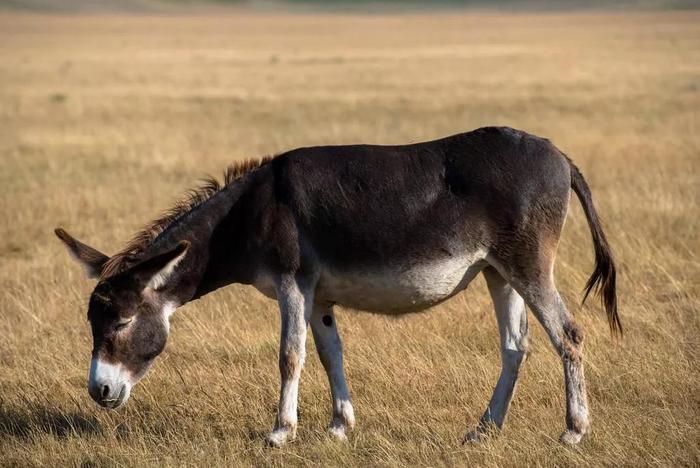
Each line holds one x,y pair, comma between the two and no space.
37,420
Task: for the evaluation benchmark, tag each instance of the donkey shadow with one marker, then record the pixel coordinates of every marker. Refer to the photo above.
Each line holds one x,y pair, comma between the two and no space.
37,420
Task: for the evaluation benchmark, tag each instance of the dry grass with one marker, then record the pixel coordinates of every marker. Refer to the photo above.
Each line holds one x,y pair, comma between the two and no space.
104,120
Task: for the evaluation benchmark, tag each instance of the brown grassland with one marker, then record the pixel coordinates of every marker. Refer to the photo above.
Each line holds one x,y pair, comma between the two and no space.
105,120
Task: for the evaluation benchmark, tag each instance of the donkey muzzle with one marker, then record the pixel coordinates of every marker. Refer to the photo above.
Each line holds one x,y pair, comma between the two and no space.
108,384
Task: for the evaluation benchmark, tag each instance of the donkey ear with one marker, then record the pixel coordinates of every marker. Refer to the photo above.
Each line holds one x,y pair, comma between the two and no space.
90,259
157,271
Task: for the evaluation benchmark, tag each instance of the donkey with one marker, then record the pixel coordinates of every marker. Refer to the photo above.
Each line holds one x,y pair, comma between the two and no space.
386,229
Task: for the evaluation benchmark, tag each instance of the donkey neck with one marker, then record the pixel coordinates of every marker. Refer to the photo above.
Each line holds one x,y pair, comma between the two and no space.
199,226
228,253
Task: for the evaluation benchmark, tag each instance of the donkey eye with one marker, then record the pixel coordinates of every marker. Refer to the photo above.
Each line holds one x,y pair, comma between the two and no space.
123,322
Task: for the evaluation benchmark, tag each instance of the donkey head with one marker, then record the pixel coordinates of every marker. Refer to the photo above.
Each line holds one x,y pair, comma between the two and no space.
129,316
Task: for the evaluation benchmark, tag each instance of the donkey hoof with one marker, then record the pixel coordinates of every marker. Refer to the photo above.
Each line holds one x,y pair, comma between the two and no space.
278,437
482,432
570,437
473,437
338,433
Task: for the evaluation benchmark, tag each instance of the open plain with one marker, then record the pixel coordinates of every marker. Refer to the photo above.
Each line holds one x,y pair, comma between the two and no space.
105,120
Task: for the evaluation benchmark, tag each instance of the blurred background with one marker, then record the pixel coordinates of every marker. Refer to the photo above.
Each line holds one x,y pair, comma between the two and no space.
110,109
72,6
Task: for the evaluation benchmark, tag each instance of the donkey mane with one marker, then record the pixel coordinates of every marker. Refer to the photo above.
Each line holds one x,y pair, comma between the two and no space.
192,199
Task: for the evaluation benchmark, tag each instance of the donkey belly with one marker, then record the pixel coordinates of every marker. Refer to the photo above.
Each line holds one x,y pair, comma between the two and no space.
398,289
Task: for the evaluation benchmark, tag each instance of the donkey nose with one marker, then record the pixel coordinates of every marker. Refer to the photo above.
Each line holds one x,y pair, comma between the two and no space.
108,384
98,391
106,394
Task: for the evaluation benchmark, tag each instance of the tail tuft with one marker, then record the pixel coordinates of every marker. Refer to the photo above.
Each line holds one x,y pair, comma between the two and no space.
603,278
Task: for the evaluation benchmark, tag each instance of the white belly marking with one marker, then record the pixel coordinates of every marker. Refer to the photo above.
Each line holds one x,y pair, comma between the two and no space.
399,290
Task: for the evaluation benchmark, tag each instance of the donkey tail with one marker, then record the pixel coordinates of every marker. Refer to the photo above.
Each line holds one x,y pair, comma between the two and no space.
602,279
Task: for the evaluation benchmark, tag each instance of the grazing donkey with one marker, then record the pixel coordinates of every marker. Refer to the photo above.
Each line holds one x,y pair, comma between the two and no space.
388,229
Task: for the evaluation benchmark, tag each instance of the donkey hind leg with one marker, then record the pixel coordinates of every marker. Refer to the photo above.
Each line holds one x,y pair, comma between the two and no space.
567,339
296,304
330,351
512,326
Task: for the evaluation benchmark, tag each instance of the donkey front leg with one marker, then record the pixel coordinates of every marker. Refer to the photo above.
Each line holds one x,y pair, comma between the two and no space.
330,350
295,299
512,326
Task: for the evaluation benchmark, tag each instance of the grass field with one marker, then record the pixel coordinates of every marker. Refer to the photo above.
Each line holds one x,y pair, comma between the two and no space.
104,121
